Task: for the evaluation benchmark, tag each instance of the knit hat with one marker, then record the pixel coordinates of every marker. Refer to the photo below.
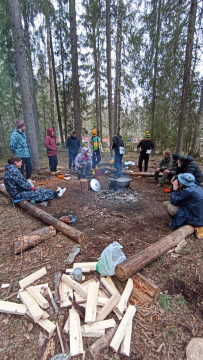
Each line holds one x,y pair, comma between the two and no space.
94,132
19,124
175,156
147,134
186,179
183,159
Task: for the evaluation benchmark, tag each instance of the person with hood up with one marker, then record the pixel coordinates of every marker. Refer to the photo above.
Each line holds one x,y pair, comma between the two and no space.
51,146
145,147
186,202
95,149
19,147
73,145
186,164
83,162
118,147
20,189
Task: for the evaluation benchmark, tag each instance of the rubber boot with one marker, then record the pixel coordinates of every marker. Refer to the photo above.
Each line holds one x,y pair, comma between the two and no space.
96,167
93,171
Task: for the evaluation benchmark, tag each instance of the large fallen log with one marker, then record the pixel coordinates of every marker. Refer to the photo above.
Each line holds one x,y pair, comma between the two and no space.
34,238
136,262
136,173
65,229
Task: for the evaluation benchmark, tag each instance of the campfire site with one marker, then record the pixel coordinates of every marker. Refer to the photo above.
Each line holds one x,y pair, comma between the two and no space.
163,324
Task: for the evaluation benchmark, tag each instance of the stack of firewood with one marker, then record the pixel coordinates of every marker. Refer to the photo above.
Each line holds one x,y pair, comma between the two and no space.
89,303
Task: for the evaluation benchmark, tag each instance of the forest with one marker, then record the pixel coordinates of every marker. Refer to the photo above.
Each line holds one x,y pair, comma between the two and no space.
120,66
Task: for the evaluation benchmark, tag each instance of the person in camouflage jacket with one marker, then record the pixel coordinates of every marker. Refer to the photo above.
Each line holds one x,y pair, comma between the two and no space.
20,189
166,163
19,147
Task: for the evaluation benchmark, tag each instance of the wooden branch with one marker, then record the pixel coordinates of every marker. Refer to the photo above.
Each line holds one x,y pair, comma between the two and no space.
136,262
34,238
112,302
38,297
74,285
65,229
88,265
137,173
122,305
91,307
47,325
65,291
146,285
98,333
12,308
33,308
125,346
123,326
99,325
75,335
31,278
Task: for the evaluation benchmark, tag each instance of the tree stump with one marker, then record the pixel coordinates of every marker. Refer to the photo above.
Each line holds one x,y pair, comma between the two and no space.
84,186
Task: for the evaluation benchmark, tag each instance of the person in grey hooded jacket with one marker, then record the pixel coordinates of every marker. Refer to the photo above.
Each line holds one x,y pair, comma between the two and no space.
83,162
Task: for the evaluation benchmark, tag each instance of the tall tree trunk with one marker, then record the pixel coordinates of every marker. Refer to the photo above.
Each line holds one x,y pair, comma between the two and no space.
195,148
75,76
99,84
51,81
56,89
2,132
31,75
96,75
108,55
23,75
155,68
63,75
186,76
117,90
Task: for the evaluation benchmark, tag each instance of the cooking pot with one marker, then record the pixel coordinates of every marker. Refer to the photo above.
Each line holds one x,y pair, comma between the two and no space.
123,182
112,182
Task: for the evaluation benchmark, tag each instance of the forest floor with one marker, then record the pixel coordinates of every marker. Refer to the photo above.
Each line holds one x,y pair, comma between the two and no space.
164,330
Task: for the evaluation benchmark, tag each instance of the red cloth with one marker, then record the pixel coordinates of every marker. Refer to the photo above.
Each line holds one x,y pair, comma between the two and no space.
32,188
84,158
50,143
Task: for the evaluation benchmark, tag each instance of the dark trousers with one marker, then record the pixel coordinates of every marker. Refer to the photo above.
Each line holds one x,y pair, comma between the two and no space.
53,161
144,157
118,163
72,157
96,158
28,169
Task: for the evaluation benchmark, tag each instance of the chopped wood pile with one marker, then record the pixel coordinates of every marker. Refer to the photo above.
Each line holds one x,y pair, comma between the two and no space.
90,305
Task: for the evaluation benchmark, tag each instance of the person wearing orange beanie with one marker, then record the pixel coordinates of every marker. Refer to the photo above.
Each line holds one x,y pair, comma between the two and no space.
95,148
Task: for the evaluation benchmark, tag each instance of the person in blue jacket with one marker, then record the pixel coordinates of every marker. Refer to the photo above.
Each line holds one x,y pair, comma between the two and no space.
186,202
20,189
19,147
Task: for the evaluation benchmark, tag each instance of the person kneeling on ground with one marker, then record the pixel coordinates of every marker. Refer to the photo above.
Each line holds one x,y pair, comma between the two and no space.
83,162
20,189
166,163
185,206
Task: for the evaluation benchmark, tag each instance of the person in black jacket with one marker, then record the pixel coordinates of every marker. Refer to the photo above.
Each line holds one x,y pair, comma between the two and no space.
186,164
145,147
73,145
118,147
